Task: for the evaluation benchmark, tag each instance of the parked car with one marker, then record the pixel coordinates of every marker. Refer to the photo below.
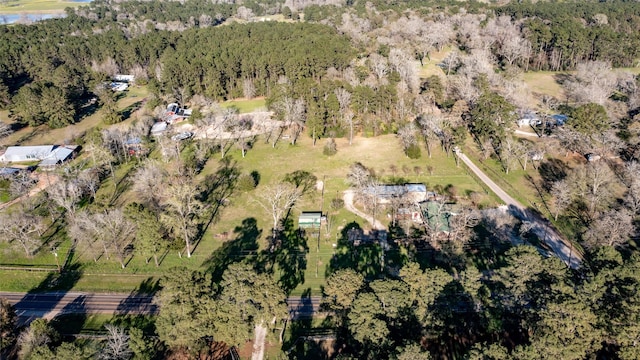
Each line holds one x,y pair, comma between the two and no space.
182,136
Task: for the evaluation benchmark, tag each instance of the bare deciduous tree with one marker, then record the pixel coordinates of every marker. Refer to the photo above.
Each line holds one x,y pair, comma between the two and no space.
515,48
612,228
117,344
23,230
451,61
248,88
431,129
169,149
594,82
109,233
511,150
378,65
562,196
402,63
182,207
293,114
277,200
593,184
147,182
358,175
407,135
66,194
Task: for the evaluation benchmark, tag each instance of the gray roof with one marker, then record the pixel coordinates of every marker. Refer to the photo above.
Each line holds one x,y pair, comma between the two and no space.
395,190
58,155
416,187
158,127
4,171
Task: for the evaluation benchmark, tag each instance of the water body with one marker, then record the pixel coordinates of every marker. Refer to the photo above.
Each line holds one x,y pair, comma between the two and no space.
17,18
12,18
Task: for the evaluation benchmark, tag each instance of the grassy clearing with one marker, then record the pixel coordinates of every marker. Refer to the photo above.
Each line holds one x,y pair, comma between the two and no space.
379,153
244,105
273,163
430,65
518,183
545,83
37,6
43,135
20,280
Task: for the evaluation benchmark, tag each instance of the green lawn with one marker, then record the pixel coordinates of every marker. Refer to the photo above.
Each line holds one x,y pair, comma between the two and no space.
518,183
246,106
379,153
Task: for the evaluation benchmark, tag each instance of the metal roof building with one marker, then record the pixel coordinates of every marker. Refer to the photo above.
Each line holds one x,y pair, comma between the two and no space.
26,153
58,156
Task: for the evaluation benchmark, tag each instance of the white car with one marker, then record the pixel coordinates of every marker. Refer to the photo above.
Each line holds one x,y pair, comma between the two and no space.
182,136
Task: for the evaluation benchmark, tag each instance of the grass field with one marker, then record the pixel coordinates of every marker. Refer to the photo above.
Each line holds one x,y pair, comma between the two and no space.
545,83
36,6
517,183
430,64
246,106
271,163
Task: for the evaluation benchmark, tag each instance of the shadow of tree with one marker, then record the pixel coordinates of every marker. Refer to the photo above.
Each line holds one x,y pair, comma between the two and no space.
72,317
140,299
306,341
365,258
288,257
216,189
41,300
552,170
126,112
245,243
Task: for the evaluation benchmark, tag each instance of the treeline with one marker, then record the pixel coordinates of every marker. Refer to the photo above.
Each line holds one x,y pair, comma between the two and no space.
50,69
216,62
523,307
564,34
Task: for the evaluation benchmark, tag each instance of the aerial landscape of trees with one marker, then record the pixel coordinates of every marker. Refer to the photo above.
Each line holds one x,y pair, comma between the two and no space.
355,99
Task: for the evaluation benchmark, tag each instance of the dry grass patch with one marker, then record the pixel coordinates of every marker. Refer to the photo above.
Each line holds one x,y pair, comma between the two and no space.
545,83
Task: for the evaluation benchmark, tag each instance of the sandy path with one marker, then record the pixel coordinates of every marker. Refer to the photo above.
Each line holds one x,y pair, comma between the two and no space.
258,343
44,180
348,204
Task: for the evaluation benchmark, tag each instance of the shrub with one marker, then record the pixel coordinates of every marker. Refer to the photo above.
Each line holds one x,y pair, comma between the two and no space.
330,148
413,151
337,203
246,182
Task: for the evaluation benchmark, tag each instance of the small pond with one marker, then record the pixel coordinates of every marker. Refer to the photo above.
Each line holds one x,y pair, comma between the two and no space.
17,18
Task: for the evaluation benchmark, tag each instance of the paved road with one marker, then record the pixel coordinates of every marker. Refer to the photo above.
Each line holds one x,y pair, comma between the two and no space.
50,304
540,226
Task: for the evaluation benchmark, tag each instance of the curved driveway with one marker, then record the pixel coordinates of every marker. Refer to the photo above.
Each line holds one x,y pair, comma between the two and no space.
540,226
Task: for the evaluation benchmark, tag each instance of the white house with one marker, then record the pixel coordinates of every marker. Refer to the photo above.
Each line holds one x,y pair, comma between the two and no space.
124,78
26,153
48,155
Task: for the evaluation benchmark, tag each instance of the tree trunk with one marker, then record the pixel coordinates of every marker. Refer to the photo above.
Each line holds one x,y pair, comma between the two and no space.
155,259
186,237
350,132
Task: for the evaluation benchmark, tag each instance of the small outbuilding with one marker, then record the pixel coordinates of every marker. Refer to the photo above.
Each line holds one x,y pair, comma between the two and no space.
59,155
158,128
310,220
8,171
